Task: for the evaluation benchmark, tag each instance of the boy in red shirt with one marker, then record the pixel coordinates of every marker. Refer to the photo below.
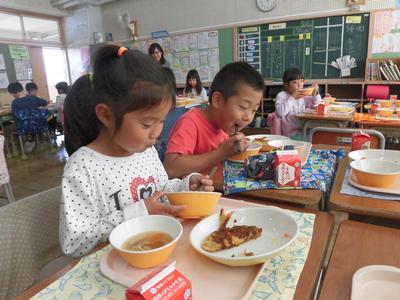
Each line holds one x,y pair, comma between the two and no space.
202,138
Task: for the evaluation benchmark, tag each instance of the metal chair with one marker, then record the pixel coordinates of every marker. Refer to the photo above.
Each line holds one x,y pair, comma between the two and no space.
29,240
31,122
342,136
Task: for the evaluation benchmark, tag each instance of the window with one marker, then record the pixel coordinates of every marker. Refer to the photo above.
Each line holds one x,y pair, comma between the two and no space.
10,27
19,27
41,29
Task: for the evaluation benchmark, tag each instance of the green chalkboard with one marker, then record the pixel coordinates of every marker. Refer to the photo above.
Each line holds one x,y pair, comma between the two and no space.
310,45
225,44
9,63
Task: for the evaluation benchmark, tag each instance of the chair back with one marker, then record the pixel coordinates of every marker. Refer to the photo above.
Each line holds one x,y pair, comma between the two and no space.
4,176
342,136
29,240
31,121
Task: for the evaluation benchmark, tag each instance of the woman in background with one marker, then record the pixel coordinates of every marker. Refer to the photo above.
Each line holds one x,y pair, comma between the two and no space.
157,53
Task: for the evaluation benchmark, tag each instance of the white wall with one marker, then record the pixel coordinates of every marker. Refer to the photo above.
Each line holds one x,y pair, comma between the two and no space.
179,15
37,6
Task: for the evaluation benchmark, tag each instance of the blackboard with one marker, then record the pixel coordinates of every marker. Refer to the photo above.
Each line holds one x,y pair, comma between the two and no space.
310,45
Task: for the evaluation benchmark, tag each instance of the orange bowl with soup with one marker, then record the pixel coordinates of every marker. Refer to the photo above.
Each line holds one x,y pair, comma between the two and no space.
146,241
280,144
376,172
385,112
198,203
253,149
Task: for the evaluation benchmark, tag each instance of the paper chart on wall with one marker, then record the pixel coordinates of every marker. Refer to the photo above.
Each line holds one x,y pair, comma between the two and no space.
23,69
2,62
386,33
188,51
3,79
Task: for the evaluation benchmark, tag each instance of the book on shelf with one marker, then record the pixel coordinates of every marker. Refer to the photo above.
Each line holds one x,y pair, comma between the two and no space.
383,70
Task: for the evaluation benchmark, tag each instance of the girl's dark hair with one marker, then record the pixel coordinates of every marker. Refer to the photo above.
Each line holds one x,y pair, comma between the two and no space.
128,83
193,74
62,87
153,48
291,74
231,76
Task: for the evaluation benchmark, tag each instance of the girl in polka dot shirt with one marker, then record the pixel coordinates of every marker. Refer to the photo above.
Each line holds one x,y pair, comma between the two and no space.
112,120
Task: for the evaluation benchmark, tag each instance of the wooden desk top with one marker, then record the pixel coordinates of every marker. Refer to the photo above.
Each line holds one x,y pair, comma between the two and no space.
368,120
358,245
360,205
328,117
5,112
309,277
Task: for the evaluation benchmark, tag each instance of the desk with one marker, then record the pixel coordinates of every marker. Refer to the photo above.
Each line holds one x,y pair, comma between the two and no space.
323,226
360,205
313,119
311,199
358,245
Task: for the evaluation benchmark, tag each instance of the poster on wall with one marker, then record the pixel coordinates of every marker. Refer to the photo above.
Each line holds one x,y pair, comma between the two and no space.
188,51
386,34
3,79
18,52
23,69
2,62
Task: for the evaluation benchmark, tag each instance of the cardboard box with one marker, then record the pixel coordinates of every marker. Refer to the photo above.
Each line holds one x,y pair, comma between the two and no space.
287,168
360,141
165,283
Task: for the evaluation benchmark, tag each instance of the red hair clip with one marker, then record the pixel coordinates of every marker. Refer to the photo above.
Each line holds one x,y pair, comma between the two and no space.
121,51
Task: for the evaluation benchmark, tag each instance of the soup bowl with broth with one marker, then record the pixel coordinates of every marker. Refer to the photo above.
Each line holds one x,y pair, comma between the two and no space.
146,241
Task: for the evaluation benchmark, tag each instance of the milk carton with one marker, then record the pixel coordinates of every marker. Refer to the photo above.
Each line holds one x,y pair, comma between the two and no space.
287,168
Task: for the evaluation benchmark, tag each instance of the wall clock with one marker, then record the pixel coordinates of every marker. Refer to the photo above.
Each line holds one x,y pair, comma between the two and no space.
266,5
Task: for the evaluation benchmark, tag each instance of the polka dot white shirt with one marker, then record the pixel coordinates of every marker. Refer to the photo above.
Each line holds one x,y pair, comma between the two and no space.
99,192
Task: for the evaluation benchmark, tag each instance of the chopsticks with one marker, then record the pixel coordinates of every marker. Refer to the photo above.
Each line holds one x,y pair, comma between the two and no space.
212,171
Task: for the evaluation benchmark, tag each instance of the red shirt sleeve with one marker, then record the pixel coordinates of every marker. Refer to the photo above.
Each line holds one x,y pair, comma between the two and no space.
183,137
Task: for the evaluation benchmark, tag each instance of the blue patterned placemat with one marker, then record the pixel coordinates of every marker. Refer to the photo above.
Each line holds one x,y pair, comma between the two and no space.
317,173
348,189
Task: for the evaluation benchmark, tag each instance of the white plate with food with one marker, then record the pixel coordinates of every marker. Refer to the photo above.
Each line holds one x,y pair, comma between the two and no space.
263,139
303,148
376,282
244,237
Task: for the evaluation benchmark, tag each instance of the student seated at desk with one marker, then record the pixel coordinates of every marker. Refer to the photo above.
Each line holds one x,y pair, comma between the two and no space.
292,101
203,137
112,120
194,87
22,101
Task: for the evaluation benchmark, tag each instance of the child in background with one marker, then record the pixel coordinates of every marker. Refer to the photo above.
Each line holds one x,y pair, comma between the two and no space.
112,120
62,90
203,137
31,89
194,87
21,100
291,101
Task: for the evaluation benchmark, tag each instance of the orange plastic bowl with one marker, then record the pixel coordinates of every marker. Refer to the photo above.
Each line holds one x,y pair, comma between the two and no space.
376,172
385,112
280,144
307,91
253,149
199,204
148,258
385,103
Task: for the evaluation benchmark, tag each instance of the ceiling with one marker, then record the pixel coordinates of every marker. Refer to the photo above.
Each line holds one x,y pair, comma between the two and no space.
65,4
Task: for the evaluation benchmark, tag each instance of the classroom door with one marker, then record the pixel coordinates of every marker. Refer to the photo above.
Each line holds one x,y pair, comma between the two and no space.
39,71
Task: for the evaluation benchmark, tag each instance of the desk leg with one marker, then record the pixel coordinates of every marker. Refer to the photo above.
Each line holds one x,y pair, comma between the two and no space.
305,126
9,155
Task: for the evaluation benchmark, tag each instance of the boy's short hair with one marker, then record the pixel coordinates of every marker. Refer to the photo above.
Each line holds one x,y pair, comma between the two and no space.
229,78
291,74
31,86
15,87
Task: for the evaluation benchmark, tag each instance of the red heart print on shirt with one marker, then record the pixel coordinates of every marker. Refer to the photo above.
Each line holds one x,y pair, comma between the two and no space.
142,189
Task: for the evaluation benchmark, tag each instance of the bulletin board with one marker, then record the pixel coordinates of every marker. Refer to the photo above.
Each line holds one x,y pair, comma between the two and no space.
386,34
309,45
198,50
15,65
